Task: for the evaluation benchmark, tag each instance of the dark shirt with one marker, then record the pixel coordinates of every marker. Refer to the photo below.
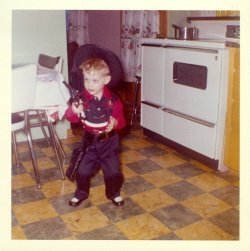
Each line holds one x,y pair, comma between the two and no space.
97,112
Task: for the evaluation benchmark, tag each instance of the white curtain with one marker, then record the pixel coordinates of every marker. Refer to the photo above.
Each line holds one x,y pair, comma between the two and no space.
77,26
136,25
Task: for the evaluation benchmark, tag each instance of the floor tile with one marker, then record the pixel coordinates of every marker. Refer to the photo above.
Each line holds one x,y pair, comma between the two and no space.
176,216
47,229
153,199
161,177
143,166
229,175
41,144
137,144
208,182
18,170
48,174
61,204
185,170
228,221
136,185
202,230
46,162
170,236
168,160
182,190
48,151
109,232
151,151
229,194
130,156
14,221
17,233
28,165
42,163
201,166
97,180
127,172
33,211
23,156
26,194
206,205
57,188
23,147
22,180
97,195
115,214
85,220
145,227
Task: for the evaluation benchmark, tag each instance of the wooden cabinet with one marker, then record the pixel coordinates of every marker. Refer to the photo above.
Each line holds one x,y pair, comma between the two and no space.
232,132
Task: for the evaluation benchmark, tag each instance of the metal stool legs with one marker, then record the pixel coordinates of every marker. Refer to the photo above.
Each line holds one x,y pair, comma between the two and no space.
135,100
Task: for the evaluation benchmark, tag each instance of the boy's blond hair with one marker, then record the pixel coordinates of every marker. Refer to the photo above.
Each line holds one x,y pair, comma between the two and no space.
95,64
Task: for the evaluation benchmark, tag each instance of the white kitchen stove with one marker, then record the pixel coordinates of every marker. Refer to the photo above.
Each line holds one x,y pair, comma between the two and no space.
184,93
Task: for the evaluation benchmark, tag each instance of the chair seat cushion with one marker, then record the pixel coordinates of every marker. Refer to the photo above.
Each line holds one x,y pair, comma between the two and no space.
16,118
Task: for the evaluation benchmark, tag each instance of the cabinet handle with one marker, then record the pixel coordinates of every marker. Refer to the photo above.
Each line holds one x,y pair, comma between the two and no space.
188,117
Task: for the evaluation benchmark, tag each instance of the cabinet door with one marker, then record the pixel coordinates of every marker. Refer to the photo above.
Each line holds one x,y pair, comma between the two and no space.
153,61
232,130
151,118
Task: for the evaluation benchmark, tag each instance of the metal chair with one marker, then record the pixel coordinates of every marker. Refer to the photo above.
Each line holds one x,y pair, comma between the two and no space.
23,96
47,64
24,79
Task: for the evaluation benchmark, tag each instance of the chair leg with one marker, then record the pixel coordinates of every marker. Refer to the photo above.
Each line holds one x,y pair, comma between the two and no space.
54,146
135,99
58,142
15,149
33,158
39,118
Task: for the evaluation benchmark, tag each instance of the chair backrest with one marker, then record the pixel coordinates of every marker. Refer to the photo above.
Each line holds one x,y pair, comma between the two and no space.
23,87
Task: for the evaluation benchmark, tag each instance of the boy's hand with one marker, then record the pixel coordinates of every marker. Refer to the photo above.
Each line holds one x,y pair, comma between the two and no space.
77,107
111,125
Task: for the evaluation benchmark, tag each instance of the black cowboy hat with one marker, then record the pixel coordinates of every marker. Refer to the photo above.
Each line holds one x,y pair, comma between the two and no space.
92,50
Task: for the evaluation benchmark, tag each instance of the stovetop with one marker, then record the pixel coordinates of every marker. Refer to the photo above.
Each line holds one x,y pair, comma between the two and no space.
199,43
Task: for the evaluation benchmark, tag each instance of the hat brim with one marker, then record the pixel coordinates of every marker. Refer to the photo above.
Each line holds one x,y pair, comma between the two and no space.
92,50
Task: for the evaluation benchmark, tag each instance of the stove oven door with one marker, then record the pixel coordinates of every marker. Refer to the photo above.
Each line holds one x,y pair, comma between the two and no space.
192,82
191,97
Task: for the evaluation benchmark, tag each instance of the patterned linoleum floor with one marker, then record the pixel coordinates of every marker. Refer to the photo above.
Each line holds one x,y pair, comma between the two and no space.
167,197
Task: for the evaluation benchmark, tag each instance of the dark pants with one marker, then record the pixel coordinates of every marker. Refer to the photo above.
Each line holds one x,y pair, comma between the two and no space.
106,154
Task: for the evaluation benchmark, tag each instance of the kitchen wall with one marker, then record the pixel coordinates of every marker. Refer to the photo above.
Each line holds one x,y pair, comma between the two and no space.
105,29
179,18
35,32
38,31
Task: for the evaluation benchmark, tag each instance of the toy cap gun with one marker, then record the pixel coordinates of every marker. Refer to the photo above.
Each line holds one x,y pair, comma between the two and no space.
75,97
74,94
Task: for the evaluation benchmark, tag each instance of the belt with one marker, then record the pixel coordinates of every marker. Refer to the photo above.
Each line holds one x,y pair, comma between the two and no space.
94,138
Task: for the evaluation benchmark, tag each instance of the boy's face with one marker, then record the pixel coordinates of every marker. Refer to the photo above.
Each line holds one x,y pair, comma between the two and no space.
94,82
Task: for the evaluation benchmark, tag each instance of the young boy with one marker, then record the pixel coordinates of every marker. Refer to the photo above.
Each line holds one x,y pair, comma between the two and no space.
101,113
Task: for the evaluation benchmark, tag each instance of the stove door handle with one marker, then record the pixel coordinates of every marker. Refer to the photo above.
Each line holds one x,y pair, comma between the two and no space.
188,117
151,104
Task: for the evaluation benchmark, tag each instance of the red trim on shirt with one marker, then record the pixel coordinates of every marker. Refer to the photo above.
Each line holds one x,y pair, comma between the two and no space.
117,112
